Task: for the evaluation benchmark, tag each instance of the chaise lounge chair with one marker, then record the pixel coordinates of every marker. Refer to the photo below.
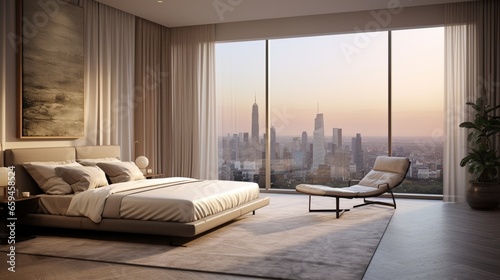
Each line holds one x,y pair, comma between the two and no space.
387,173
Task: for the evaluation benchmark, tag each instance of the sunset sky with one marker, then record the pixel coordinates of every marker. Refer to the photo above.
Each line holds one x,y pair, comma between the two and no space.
342,76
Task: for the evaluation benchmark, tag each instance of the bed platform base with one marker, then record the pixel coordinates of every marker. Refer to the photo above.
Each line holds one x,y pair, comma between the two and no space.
146,227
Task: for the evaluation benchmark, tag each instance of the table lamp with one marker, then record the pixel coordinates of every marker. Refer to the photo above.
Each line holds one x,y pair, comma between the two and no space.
142,162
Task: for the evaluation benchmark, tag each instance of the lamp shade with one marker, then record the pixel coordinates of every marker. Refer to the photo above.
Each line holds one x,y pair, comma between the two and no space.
4,176
142,162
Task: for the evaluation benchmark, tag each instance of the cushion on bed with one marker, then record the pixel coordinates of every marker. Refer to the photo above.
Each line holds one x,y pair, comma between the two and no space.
45,176
123,171
94,161
82,178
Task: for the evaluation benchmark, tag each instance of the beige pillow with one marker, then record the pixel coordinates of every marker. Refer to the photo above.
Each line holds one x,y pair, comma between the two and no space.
45,176
82,178
123,171
94,161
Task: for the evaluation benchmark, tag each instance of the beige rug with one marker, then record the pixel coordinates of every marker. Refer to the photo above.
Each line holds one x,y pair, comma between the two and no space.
283,240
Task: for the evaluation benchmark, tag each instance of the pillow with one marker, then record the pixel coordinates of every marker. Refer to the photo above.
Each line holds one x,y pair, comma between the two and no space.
94,161
122,171
45,176
82,178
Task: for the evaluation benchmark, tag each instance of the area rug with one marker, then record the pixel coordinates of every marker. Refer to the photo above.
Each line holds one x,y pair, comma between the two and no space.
282,241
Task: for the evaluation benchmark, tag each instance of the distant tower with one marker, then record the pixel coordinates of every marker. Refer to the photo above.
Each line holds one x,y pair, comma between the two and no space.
255,122
337,138
357,153
304,142
319,150
273,142
304,149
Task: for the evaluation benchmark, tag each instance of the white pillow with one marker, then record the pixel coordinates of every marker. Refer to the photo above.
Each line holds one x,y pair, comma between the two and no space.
45,176
94,161
123,171
82,178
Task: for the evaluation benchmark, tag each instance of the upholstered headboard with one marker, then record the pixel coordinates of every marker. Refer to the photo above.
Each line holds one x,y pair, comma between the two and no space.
91,152
24,182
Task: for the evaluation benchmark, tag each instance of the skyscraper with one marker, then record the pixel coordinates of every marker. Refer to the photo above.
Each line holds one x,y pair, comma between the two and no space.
255,122
319,150
357,154
304,141
337,138
305,146
273,143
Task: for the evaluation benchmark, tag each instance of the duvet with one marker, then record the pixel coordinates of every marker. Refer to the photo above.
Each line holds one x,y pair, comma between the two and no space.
175,199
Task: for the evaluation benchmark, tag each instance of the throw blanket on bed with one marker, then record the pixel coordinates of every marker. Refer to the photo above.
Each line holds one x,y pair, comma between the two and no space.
167,199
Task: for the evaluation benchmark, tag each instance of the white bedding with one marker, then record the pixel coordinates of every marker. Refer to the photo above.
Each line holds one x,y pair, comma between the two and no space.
166,199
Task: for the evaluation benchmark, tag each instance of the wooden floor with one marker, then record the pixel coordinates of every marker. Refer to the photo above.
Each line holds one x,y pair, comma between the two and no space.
424,240
436,240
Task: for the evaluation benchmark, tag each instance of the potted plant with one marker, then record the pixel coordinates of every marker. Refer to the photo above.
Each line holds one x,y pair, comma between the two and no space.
482,159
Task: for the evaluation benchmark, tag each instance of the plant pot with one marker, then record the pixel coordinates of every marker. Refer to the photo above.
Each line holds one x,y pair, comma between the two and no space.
483,196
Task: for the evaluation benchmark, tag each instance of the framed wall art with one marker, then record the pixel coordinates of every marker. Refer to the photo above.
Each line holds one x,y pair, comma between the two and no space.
50,71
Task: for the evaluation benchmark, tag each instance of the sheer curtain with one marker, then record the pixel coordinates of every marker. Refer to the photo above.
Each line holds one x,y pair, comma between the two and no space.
152,91
193,134
472,67
489,54
109,77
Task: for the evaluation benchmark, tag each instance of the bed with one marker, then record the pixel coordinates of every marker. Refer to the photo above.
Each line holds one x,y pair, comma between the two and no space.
183,207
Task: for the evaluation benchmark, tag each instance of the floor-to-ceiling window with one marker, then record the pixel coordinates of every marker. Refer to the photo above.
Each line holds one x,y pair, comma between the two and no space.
418,105
240,81
329,107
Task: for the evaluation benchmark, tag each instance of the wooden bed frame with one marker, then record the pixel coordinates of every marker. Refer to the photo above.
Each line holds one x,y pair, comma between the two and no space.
24,182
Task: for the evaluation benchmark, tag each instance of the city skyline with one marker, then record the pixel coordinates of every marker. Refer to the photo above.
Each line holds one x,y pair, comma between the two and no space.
323,159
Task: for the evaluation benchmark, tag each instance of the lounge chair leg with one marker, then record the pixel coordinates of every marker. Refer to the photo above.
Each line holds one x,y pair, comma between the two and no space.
337,202
393,199
368,202
337,210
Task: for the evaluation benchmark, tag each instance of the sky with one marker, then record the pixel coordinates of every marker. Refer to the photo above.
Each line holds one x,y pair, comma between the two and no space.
344,77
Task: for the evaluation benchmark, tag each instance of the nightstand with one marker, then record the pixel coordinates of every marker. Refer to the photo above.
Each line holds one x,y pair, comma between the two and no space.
10,217
151,176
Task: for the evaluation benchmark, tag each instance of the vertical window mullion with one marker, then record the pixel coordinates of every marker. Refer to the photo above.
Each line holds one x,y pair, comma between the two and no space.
389,93
268,123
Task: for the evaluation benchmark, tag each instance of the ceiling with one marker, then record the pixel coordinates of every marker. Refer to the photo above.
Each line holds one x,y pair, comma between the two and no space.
174,13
